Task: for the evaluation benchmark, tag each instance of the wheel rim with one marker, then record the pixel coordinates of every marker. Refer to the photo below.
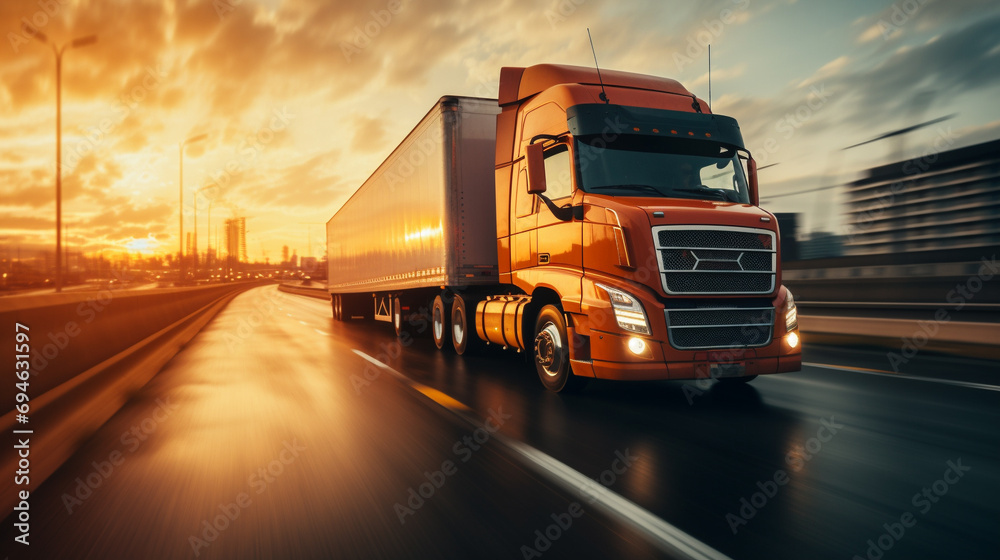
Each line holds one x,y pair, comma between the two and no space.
438,324
548,350
458,327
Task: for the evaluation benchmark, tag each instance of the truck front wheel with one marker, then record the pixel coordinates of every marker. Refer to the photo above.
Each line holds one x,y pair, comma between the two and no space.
551,352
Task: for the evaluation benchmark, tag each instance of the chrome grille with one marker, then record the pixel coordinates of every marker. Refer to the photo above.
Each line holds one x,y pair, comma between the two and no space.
704,260
729,327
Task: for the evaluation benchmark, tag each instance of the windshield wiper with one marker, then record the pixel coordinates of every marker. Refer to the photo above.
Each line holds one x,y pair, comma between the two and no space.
646,188
705,190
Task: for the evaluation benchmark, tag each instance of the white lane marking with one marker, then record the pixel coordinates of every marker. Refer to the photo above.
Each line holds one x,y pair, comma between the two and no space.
321,332
967,384
667,537
304,323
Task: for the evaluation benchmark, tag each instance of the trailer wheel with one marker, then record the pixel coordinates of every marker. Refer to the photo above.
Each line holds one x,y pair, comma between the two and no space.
439,322
551,352
397,316
463,326
337,311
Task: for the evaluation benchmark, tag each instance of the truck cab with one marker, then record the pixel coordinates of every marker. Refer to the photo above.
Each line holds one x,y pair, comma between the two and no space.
628,221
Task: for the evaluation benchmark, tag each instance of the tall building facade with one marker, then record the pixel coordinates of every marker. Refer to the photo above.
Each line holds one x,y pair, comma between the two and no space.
940,201
236,239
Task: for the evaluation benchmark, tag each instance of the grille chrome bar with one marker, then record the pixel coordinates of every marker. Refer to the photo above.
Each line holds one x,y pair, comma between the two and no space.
720,327
728,259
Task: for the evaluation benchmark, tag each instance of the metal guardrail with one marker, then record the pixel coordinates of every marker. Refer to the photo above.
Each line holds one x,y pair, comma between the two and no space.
310,291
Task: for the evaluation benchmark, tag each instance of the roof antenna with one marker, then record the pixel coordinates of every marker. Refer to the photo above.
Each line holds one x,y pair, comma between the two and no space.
603,96
709,76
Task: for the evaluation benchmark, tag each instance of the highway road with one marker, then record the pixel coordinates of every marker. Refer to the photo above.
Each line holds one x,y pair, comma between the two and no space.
278,433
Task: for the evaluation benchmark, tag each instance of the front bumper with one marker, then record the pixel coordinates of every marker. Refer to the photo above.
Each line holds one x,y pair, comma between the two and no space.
614,360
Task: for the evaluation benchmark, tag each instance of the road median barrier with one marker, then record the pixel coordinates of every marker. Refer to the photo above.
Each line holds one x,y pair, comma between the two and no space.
90,353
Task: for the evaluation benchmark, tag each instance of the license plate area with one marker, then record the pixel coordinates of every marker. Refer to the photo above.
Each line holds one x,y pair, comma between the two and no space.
738,369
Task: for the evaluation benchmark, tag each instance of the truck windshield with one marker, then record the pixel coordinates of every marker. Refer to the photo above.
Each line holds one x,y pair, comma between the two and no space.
633,165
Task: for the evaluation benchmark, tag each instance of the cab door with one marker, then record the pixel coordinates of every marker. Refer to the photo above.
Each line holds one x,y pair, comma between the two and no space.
560,254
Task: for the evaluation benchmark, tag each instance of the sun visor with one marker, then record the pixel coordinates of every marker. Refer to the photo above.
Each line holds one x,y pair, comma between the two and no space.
600,119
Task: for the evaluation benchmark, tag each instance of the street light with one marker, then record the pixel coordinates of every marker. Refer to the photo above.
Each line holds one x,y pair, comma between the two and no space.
180,149
208,252
58,51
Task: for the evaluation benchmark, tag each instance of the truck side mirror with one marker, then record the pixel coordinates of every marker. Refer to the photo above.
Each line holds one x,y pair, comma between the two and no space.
536,169
752,171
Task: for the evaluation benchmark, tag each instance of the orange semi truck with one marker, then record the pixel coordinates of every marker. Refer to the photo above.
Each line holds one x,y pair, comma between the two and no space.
608,224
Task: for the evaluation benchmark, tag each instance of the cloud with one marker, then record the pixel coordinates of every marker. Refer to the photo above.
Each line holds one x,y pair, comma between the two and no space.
369,134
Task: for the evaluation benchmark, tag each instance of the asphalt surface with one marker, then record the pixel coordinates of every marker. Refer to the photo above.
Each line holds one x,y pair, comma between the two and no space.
273,434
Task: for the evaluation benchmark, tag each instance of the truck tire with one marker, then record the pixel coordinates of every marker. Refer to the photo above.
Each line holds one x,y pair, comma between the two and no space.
550,349
337,312
439,323
397,317
463,326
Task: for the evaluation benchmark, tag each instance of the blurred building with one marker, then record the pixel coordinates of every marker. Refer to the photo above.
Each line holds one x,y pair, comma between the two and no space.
941,201
820,245
236,239
788,228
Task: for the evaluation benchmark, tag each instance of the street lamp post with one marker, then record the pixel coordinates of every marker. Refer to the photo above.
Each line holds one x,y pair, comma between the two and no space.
180,149
58,51
208,252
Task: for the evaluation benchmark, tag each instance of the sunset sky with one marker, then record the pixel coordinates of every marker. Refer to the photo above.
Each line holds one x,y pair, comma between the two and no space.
302,99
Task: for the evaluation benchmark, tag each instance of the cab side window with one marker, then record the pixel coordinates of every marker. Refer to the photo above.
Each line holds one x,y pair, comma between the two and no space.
557,173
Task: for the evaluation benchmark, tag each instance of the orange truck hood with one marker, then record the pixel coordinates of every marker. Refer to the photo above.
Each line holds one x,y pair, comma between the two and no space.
707,212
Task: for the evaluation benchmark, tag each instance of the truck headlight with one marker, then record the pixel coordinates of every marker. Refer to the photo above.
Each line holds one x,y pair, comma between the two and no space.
791,313
628,311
